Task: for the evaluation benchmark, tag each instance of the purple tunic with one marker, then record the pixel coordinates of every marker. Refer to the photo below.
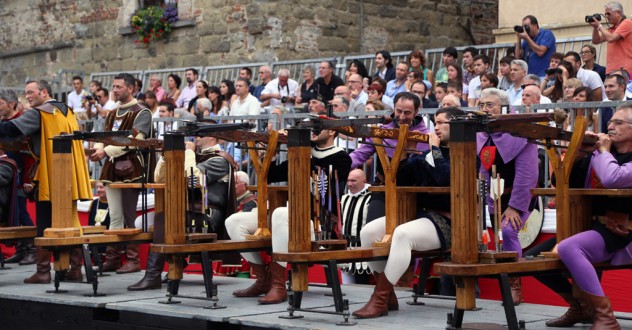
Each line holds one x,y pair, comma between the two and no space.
525,155
365,151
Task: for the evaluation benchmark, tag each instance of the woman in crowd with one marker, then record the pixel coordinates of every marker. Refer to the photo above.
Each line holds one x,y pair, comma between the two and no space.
584,94
308,88
417,61
589,56
356,66
556,92
455,74
227,91
173,84
201,90
570,85
152,103
216,100
376,92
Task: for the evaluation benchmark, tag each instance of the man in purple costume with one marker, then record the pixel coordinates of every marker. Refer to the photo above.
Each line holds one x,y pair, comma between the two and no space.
610,239
516,162
406,112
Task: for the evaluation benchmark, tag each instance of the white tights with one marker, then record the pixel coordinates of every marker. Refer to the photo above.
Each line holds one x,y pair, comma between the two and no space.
241,224
418,235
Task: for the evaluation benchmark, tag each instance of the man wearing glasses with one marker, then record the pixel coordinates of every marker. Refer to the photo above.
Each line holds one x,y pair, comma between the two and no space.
618,36
516,162
102,103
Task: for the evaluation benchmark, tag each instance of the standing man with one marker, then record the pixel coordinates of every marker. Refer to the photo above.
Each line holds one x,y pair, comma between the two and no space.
129,116
398,84
618,36
46,119
155,84
281,91
188,92
77,97
265,75
24,250
327,82
481,66
246,72
535,46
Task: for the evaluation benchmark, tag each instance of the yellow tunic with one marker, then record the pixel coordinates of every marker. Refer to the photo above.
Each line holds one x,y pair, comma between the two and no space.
54,123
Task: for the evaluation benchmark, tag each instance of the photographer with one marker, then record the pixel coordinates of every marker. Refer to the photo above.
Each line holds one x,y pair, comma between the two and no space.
102,103
535,46
618,36
281,91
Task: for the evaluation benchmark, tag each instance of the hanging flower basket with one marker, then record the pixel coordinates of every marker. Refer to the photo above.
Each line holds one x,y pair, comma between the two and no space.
154,22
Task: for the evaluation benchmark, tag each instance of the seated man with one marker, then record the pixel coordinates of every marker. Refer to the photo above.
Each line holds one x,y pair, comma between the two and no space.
430,231
217,166
610,239
272,282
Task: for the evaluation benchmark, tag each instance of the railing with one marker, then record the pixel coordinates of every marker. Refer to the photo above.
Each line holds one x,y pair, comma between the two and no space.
61,85
215,74
107,78
296,66
164,74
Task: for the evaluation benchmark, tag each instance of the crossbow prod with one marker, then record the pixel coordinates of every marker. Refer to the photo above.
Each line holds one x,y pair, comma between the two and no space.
197,129
318,123
115,138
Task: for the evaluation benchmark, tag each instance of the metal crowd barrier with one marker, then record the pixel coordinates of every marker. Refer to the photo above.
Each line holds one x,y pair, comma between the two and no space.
164,74
107,78
215,74
296,66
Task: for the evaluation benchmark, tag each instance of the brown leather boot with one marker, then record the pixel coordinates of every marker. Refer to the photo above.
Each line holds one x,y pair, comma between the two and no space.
261,285
515,284
378,304
132,265
578,312
112,259
76,259
151,280
603,318
393,303
42,273
277,293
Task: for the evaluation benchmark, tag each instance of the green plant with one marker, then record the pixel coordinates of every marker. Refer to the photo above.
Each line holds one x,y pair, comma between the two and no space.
154,22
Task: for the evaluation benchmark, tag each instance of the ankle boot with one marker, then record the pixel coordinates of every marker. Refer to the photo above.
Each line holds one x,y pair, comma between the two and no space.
603,318
29,256
42,273
20,253
112,259
151,280
278,292
515,285
578,312
76,259
262,284
393,303
132,265
378,303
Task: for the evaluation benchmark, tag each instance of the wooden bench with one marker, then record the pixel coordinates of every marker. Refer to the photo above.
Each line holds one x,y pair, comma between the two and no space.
13,234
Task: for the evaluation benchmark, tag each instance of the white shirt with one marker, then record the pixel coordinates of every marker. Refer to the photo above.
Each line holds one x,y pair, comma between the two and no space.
474,88
591,80
388,101
75,101
291,89
250,106
362,97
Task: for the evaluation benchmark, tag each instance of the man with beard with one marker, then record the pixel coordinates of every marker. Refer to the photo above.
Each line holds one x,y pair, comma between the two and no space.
130,115
46,119
188,92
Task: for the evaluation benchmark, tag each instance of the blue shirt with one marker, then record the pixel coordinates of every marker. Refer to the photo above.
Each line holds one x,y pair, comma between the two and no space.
537,64
514,95
392,89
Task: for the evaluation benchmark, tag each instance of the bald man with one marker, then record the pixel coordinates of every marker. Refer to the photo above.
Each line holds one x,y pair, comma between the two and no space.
530,96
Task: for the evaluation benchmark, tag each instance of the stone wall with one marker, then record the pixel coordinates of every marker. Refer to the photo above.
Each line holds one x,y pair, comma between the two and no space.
39,37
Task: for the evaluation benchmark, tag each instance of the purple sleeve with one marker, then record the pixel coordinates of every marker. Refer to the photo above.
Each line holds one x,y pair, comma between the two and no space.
362,154
525,179
610,172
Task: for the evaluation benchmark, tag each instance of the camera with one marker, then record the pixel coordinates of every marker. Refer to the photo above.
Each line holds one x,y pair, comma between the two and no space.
553,71
283,99
592,18
520,29
89,98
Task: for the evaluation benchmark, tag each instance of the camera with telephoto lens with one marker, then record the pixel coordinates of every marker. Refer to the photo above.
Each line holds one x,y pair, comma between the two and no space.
592,18
520,29
283,99
553,71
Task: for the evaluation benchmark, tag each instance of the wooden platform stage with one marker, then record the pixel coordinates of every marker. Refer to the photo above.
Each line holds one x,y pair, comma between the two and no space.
30,307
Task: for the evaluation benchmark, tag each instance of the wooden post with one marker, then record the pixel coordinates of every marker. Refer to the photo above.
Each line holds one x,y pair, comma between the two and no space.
463,205
61,191
175,199
298,156
262,168
394,215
